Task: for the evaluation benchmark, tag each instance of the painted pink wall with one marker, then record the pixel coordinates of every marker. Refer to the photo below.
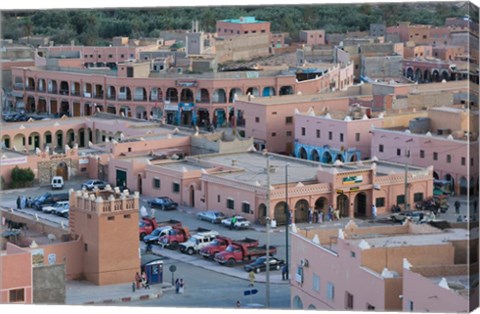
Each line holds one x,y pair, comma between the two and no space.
426,295
16,273
348,128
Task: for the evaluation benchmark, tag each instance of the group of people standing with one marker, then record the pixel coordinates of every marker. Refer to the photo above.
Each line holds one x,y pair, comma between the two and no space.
24,202
318,216
179,286
141,280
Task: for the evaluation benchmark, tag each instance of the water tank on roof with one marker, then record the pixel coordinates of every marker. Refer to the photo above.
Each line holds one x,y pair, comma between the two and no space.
419,125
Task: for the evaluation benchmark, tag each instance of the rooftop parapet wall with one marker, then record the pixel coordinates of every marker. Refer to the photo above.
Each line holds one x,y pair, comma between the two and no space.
104,202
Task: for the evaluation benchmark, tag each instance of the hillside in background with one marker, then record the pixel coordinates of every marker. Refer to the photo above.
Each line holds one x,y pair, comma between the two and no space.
97,27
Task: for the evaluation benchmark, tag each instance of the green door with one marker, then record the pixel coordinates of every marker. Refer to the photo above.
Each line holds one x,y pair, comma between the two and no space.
121,178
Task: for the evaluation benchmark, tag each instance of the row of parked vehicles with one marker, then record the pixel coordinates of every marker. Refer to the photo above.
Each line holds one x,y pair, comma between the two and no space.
216,217
210,244
52,203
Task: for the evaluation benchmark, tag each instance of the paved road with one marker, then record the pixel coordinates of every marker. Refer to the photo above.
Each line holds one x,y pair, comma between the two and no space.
205,288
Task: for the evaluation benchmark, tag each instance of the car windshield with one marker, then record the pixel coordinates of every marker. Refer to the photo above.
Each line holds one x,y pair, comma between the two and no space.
230,248
216,243
156,232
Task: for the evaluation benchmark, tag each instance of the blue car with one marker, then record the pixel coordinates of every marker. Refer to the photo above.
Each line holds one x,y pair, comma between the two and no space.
163,203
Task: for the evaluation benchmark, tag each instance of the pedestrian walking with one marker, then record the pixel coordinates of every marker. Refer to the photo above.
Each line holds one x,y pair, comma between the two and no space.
330,213
29,202
177,286
251,276
133,286
138,280
310,215
320,217
144,280
284,272
181,286
238,304
374,211
19,202
457,207
337,214
233,221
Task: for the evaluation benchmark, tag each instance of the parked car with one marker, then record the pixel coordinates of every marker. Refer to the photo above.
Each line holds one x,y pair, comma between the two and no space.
57,182
52,209
164,203
197,242
211,216
63,211
91,184
416,216
153,237
48,199
241,223
260,264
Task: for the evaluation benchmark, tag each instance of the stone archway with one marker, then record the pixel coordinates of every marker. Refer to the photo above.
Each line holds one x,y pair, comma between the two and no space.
361,205
301,211
343,205
262,213
62,170
321,204
327,158
463,183
279,213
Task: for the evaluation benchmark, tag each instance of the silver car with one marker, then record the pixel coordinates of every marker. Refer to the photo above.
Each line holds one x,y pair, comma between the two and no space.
211,216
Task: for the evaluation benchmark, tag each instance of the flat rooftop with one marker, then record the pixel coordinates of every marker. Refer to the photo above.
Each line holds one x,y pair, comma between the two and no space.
417,239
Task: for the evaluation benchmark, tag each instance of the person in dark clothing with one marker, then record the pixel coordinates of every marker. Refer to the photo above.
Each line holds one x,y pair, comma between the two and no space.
457,207
284,272
19,202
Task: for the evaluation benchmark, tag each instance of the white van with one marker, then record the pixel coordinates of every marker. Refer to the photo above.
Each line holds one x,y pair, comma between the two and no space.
57,183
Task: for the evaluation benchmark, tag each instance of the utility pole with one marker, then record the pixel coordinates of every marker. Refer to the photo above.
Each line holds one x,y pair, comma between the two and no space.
287,214
267,275
407,155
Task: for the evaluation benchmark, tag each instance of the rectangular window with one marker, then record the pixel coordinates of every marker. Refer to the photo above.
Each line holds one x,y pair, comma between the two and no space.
128,216
230,203
299,274
246,208
422,154
316,283
463,161
341,137
401,199
380,202
410,306
17,295
303,131
330,135
110,56
274,134
449,158
348,301
274,113
288,133
435,156
111,218
176,187
357,137
288,120
218,198
471,162
418,197
399,152
380,148
257,119
156,183
85,247
330,291
122,56
318,133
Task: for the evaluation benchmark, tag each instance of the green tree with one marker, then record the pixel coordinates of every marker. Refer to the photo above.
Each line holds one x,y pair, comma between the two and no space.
22,177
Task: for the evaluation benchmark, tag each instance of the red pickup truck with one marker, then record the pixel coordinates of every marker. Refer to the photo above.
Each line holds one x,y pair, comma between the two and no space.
147,224
177,235
238,252
221,243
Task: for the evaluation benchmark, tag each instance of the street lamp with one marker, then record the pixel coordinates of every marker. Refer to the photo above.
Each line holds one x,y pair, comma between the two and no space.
287,214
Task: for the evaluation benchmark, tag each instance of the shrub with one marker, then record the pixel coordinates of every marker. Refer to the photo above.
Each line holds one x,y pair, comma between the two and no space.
22,177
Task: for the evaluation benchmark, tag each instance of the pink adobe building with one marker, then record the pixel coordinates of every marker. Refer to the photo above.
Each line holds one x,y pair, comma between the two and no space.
313,37
135,90
421,34
16,274
269,120
444,288
235,183
243,25
331,268
447,140
334,136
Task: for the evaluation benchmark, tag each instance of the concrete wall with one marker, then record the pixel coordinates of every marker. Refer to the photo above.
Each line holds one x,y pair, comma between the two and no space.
245,47
49,284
